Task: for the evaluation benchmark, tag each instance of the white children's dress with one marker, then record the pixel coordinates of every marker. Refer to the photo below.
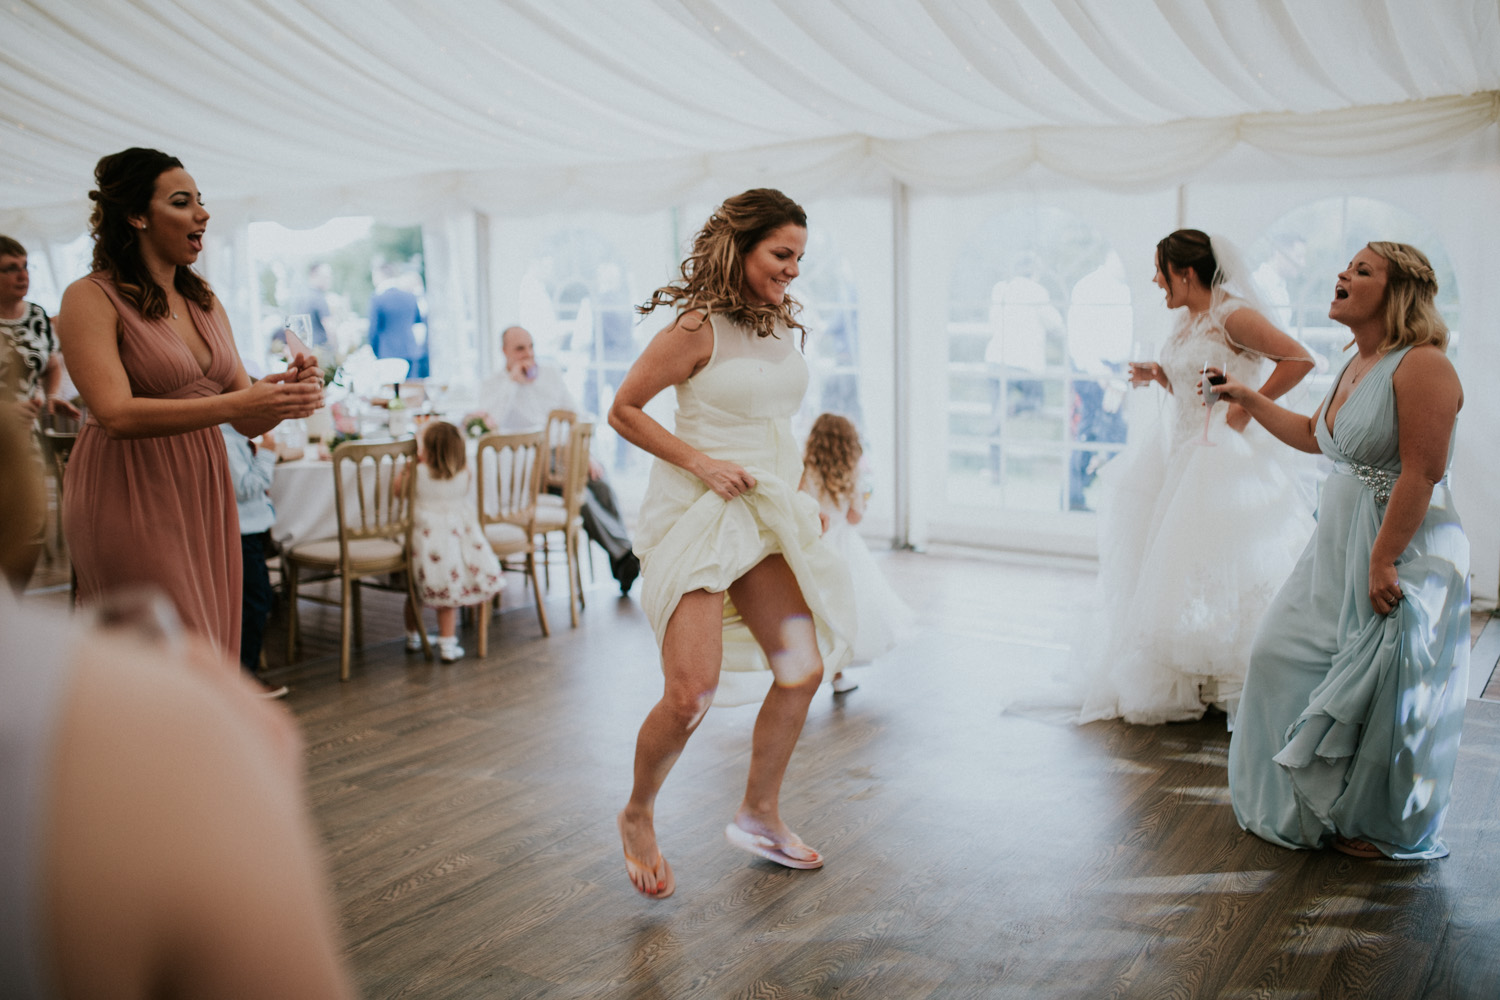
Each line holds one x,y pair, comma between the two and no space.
455,566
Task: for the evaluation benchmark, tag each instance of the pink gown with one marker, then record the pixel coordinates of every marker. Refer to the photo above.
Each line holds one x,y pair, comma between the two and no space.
159,512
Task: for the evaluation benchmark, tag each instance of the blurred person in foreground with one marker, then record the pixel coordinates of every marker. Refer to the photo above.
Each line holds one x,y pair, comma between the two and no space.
154,836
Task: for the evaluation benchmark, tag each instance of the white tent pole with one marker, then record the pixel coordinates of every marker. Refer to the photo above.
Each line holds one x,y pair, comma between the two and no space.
900,362
482,301
1181,206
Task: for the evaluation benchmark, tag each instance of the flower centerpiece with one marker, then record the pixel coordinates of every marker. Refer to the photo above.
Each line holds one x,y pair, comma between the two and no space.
478,424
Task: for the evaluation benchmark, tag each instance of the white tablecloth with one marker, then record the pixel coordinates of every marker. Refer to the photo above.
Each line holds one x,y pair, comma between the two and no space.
302,492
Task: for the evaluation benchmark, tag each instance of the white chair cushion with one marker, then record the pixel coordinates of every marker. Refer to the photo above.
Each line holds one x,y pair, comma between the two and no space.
549,518
507,537
378,551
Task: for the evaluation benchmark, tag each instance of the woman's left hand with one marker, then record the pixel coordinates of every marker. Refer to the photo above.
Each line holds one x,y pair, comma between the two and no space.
1237,417
1385,587
307,368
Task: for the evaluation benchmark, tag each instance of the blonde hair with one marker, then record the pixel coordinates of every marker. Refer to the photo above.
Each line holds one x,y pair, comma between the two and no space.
833,452
1411,313
443,450
713,275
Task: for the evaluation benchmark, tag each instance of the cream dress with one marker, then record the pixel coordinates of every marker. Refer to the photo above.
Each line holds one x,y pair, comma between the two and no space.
738,408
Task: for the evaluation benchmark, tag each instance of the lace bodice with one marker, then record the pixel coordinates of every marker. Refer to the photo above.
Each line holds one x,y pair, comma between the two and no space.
1200,340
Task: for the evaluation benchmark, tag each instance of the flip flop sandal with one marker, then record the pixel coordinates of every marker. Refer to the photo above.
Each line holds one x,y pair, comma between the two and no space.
766,847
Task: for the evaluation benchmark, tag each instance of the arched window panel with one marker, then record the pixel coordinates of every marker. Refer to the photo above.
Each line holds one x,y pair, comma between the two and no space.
1039,329
1297,260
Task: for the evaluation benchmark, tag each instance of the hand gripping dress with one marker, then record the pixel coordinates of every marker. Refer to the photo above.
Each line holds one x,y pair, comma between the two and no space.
1194,542
159,512
1350,720
738,408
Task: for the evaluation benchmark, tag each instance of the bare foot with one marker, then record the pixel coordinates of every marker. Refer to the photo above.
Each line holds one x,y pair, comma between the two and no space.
648,870
777,832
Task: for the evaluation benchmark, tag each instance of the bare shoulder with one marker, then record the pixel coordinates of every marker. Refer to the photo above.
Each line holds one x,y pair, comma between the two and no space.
689,334
85,296
690,322
1426,374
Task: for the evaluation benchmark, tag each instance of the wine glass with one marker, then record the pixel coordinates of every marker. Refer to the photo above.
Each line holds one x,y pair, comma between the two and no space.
1209,399
299,329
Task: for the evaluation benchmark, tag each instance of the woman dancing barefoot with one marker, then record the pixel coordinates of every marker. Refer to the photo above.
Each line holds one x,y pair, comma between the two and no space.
731,553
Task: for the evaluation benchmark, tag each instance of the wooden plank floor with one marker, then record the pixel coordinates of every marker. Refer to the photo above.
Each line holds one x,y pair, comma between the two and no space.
468,812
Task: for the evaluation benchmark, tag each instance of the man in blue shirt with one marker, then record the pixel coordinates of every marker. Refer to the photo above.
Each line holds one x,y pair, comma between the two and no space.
394,311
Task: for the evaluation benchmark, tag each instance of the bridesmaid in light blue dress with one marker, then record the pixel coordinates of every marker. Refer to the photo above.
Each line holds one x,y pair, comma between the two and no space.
1349,725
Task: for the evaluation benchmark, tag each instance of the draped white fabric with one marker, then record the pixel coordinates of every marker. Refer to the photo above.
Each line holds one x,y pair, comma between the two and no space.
305,109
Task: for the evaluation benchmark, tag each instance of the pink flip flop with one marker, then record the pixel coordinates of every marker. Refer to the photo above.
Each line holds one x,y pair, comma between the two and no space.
766,848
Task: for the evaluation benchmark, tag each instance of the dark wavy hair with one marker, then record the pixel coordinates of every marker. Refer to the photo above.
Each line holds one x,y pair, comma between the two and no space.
713,275
1188,249
126,183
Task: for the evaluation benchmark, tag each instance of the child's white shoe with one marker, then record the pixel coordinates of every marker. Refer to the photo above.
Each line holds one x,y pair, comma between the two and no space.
842,684
414,642
449,650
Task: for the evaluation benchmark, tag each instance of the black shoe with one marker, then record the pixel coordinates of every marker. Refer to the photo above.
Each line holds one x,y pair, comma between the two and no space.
626,570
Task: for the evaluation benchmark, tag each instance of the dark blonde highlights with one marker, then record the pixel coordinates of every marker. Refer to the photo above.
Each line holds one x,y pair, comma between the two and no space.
443,449
833,452
126,184
713,275
1411,313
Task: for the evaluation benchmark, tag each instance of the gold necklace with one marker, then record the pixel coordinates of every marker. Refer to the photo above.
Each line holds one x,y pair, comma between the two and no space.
1354,378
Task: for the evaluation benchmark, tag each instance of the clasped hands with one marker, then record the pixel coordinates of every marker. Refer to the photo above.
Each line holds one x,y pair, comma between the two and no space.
291,394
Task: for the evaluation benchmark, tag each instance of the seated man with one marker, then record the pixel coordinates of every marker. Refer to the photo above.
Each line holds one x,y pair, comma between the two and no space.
519,399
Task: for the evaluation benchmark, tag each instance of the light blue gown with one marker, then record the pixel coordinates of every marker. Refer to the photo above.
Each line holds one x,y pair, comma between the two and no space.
1349,723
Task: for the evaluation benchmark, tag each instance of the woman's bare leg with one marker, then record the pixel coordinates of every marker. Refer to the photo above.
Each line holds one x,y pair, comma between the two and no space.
691,651
770,602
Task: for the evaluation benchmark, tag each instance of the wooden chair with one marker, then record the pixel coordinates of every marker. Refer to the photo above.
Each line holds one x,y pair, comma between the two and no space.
566,517
375,525
56,436
510,469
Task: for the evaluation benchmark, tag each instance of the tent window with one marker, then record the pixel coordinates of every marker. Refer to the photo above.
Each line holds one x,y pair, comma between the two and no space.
1039,328
1298,258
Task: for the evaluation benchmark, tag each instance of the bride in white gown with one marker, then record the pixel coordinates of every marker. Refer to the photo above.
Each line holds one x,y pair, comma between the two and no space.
1194,538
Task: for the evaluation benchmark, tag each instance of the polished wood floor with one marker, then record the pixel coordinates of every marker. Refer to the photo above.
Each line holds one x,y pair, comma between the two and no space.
468,812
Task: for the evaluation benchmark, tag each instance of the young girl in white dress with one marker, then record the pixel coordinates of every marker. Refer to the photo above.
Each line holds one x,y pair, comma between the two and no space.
454,564
831,469
1200,520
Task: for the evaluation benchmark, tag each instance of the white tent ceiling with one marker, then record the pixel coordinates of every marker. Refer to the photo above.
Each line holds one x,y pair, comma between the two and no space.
301,109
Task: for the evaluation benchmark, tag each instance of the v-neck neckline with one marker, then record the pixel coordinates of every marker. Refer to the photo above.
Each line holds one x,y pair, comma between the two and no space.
1328,414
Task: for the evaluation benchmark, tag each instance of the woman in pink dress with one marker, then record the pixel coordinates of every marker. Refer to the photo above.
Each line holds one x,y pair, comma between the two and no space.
147,499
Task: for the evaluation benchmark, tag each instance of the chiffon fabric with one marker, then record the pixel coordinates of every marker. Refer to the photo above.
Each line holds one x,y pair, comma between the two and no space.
738,408
1350,719
159,512
1194,541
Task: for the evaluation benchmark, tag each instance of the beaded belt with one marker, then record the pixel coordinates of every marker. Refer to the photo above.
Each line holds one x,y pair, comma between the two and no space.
1379,481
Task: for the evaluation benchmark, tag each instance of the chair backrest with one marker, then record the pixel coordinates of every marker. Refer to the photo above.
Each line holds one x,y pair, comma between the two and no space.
373,486
559,434
577,479
508,473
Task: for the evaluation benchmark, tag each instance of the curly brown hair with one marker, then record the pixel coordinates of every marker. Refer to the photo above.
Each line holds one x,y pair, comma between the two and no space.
713,275
127,183
833,452
443,449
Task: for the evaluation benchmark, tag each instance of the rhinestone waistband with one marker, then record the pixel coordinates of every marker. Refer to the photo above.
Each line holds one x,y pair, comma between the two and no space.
1378,481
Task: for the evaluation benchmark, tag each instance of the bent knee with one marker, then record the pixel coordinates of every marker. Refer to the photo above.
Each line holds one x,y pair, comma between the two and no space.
688,707
797,668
